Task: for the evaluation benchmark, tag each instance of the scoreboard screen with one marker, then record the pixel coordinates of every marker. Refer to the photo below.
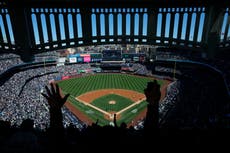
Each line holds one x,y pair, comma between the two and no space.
111,55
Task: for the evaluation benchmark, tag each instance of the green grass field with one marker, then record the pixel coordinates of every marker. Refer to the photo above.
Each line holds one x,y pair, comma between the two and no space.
78,86
120,102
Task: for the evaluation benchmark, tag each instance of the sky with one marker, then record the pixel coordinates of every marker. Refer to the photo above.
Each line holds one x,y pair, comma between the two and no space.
111,26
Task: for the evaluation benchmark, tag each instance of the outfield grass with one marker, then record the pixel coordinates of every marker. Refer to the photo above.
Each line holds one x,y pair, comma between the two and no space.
78,86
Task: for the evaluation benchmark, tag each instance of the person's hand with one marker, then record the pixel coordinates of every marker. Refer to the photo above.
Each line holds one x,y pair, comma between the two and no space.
54,97
152,92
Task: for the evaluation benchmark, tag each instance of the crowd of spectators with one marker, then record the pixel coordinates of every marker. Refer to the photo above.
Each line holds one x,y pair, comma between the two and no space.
136,68
15,103
223,66
190,102
15,106
9,60
204,100
167,70
140,69
220,63
178,55
166,105
21,95
57,137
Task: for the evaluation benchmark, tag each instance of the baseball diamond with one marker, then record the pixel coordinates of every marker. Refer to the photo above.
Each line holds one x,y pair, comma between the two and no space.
91,97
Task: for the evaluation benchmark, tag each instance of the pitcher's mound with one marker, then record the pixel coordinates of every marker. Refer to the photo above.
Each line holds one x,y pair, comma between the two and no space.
112,102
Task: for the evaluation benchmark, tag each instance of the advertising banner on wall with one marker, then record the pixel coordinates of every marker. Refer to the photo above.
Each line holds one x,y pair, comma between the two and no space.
80,59
61,60
87,59
65,77
73,60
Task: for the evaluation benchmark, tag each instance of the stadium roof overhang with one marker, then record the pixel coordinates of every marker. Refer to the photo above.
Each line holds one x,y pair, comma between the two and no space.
21,12
117,3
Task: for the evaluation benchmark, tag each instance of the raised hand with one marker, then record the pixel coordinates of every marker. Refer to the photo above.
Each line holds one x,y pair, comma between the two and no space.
54,97
55,102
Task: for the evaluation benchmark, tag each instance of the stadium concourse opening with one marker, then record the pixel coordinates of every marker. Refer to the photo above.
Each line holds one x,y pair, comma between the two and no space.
53,54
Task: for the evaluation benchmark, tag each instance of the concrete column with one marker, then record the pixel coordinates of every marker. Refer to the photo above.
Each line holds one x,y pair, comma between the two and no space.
66,26
23,35
98,26
107,27
132,26
163,24
6,28
48,25
171,29
212,29
195,36
123,27
189,20
75,27
115,26
181,18
140,31
58,30
152,24
86,25
40,32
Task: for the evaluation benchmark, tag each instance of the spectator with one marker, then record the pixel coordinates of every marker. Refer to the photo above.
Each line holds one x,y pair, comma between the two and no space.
153,94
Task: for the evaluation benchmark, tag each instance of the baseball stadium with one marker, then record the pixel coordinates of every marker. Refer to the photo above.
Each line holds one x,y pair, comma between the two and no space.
99,96
114,75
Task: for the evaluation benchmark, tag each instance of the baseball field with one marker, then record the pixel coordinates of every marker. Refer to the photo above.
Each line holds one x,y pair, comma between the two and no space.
98,97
